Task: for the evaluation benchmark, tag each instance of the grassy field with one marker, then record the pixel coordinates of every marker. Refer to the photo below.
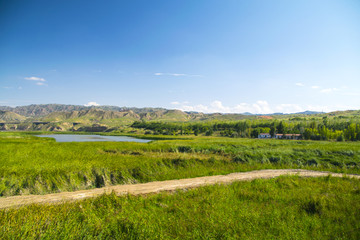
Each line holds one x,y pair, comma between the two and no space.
31,165
281,208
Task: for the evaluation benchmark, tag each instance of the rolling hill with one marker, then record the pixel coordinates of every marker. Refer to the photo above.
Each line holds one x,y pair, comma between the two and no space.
75,117
6,116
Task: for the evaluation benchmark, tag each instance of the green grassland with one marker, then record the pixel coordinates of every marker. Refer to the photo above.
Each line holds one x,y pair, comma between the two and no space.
31,165
282,208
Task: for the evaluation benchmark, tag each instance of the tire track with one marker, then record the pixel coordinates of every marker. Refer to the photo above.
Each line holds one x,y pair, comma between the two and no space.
159,186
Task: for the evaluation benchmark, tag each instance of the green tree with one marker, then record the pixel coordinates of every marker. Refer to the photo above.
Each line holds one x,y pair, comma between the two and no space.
281,127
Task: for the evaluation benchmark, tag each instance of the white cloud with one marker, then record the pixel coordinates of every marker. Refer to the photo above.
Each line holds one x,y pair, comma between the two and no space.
196,108
175,103
258,107
35,79
91,104
299,84
176,74
351,93
262,107
337,107
39,81
332,90
217,106
7,87
170,74
329,90
289,108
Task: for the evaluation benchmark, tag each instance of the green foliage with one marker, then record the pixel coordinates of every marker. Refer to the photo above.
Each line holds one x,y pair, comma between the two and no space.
324,128
31,165
282,208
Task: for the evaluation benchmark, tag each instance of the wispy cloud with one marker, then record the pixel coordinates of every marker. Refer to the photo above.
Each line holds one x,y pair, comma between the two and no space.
350,93
299,84
35,79
177,74
217,106
329,90
91,104
344,90
38,81
179,103
7,87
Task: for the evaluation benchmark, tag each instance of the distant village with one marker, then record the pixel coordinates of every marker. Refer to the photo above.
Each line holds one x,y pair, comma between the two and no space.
280,136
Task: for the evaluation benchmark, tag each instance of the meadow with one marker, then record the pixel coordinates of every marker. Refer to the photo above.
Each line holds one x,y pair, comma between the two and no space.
32,165
282,208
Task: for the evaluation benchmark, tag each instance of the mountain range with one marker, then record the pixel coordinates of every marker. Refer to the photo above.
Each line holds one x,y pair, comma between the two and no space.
41,110
72,117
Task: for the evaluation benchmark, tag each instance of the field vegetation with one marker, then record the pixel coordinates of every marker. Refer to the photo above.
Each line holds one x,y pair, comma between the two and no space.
282,208
32,165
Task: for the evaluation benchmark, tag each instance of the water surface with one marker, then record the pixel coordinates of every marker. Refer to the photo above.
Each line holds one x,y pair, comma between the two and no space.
92,138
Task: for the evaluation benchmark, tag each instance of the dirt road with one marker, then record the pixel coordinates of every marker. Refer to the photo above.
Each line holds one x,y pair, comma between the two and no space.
154,187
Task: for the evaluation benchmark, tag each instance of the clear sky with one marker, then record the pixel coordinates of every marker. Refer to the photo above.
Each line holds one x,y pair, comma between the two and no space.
255,56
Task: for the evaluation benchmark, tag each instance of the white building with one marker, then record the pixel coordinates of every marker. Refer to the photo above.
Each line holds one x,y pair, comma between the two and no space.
288,136
264,135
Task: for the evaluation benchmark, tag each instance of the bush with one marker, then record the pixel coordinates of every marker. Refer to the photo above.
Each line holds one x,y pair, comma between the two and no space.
313,206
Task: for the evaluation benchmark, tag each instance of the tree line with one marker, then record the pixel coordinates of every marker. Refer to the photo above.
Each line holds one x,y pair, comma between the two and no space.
314,129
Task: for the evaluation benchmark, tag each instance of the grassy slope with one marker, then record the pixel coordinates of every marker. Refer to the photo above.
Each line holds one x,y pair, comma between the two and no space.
282,208
30,165
6,116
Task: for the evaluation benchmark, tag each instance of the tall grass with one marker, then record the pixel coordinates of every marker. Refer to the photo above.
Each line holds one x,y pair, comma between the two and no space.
282,208
31,165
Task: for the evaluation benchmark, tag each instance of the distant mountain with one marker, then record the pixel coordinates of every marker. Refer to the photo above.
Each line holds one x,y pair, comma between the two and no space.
122,109
6,116
60,112
309,112
60,117
36,110
41,110
90,114
100,114
247,113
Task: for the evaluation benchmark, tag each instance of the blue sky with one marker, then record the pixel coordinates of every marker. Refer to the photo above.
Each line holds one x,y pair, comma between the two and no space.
207,55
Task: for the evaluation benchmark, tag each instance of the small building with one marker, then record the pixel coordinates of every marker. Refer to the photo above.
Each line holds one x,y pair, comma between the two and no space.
288,136
264,135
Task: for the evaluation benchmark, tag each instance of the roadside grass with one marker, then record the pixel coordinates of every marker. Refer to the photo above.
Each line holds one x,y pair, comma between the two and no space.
287,207
32,165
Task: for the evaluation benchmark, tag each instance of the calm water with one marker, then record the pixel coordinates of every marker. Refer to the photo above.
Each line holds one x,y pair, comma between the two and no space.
92,138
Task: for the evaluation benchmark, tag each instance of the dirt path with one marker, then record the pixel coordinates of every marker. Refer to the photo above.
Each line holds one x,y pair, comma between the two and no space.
155,187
